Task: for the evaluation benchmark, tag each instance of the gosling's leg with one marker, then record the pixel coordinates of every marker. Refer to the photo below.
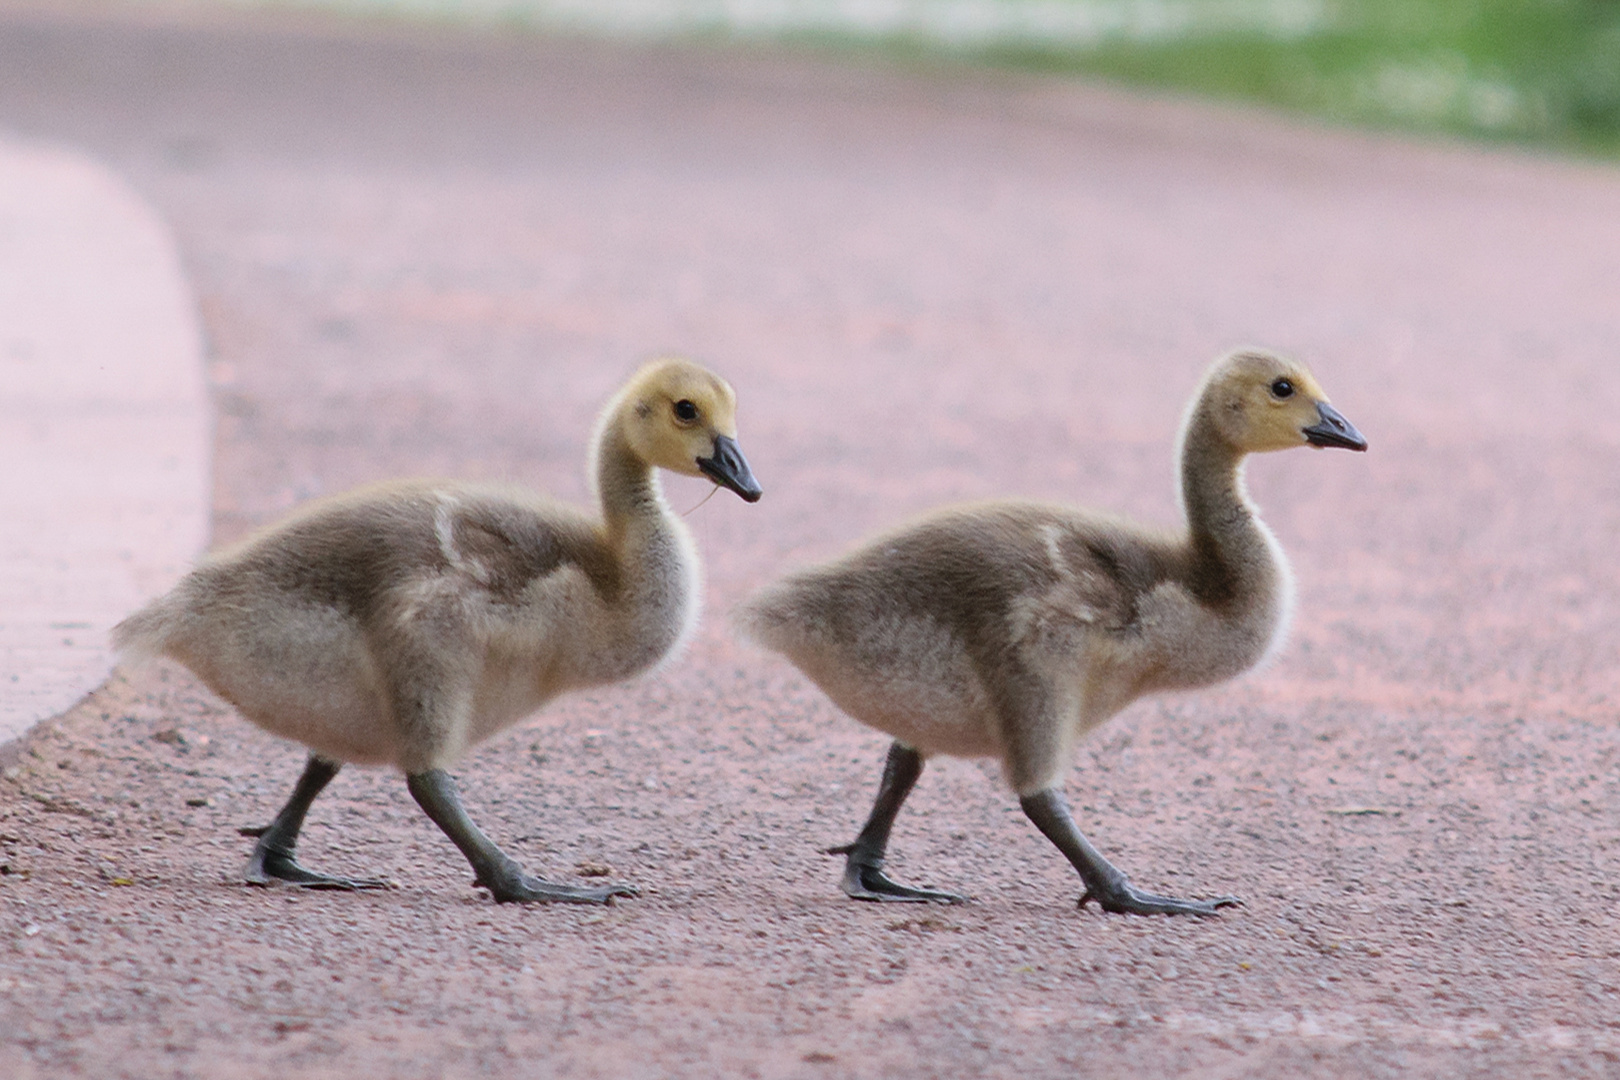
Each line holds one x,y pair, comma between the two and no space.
272,858
863,868
1104,883
435,792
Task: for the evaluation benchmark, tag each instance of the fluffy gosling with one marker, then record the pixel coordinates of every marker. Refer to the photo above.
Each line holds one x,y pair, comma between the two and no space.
1011,629
403,624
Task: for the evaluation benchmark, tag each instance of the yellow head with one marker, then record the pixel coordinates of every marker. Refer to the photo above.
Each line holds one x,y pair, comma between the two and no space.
682,417
1257,401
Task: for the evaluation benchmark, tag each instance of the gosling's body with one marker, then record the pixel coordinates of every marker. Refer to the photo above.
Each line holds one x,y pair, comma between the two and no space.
928,632
403,624
490,601
1010,629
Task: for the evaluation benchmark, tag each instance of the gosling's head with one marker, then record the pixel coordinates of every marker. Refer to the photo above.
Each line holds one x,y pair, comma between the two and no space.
679,416
1259,401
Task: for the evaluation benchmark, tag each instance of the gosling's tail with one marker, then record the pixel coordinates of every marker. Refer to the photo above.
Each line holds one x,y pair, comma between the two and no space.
767,619
148,632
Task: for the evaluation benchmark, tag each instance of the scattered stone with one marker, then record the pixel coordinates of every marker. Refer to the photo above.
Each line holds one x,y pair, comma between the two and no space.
173,736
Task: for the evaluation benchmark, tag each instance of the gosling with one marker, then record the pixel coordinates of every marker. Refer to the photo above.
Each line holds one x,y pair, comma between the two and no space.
1010,629
403,624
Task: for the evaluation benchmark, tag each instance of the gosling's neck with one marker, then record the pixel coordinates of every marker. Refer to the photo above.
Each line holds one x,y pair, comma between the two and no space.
655,562
627,486
1234,559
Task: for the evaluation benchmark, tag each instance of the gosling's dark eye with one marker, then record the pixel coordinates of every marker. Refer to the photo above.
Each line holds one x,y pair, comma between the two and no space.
1282,388
685,411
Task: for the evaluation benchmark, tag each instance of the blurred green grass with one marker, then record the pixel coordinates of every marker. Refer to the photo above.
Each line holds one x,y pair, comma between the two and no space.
1544,72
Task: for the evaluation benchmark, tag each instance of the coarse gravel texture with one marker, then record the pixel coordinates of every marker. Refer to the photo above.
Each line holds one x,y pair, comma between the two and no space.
435,252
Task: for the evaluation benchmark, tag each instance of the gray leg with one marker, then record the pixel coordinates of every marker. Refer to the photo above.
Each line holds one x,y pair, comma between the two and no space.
1104,883
272,858
435,792
863,868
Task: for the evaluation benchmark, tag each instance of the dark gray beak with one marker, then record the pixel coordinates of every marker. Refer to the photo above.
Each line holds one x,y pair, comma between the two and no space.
729,469
1334,430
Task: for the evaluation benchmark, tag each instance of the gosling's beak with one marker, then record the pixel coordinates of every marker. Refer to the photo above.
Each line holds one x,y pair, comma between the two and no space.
1333,430
729,468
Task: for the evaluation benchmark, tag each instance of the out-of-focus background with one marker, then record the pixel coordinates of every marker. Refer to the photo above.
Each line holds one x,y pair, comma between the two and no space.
1536,71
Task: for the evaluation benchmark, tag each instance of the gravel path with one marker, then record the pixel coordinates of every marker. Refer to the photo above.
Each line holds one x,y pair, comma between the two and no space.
432,252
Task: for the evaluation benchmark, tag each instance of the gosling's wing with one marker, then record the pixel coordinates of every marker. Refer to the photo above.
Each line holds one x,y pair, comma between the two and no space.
508,541
1099,569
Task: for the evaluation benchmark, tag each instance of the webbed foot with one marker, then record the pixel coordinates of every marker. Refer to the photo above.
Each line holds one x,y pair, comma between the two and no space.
1124,899
867,881
268,865
520,888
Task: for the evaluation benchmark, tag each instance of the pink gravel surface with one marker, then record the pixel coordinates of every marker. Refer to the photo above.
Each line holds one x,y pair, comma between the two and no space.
426,252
